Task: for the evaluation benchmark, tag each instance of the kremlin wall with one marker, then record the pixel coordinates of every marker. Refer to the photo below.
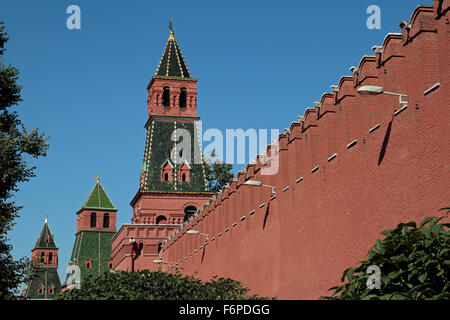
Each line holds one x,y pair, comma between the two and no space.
351,167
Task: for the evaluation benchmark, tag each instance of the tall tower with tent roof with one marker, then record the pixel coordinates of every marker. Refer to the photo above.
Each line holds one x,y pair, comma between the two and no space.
44,281
172,184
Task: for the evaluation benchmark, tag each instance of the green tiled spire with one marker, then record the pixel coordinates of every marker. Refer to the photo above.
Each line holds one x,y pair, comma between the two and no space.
158,148
46,279
98,199
45,239
172,63
92,246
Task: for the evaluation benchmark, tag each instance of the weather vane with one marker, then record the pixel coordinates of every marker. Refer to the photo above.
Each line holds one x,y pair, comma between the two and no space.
170,25
96,176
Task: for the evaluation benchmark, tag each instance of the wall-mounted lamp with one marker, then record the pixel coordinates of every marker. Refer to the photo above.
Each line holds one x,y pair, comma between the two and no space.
160,261
197,232
374,90
259,184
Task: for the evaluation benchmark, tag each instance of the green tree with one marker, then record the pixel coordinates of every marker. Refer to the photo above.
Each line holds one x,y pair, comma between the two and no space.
217,173
414,262
16,143
146,285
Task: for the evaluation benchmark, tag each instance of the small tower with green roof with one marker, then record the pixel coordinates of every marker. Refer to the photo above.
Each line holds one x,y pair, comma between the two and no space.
96,225
44,281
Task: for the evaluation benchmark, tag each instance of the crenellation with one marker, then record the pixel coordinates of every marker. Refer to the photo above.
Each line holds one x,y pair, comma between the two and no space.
334,180
345,88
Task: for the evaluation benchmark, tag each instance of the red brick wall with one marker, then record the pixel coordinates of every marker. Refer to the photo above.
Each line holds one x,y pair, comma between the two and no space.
297,245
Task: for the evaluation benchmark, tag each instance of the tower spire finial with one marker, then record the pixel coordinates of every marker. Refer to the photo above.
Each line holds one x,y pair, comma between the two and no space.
170,25
96,176
46,218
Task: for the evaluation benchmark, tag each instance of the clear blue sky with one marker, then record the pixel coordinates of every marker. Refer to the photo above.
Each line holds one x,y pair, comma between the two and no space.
259,64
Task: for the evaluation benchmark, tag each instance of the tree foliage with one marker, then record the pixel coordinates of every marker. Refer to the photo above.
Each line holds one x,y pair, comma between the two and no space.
16,143
146,285
414,262
217,173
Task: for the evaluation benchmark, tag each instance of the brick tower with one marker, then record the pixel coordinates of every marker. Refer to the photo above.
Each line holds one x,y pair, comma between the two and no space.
96,225
45,282
172,182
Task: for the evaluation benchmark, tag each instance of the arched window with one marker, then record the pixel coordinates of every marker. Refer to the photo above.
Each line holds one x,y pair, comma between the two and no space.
183,177
159,247
41,289
42,256
161,220
166,97
166,176
106,220
110,265
93,220
189,212
51,290
183,97
50,257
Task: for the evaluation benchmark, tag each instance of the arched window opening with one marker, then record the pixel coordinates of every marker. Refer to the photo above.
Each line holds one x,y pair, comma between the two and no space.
183,92
159,247
93,220
41,289
183,177
42,256
50,257
189,212
166,176
161,220
166,97
110,265
51,290
106,220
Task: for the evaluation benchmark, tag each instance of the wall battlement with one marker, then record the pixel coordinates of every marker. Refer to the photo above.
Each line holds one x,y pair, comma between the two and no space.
350,167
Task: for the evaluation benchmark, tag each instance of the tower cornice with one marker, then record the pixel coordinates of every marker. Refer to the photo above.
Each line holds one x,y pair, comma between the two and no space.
141,192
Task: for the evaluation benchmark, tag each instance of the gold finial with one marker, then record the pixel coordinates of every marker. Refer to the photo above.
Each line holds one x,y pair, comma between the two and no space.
46,218
96,176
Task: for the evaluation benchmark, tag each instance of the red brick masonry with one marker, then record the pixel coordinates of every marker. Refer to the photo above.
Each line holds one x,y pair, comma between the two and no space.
354,166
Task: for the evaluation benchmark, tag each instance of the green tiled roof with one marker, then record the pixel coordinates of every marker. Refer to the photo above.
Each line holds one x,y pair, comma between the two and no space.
157,152
94,245
172,62
46,277
98,199
44,236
